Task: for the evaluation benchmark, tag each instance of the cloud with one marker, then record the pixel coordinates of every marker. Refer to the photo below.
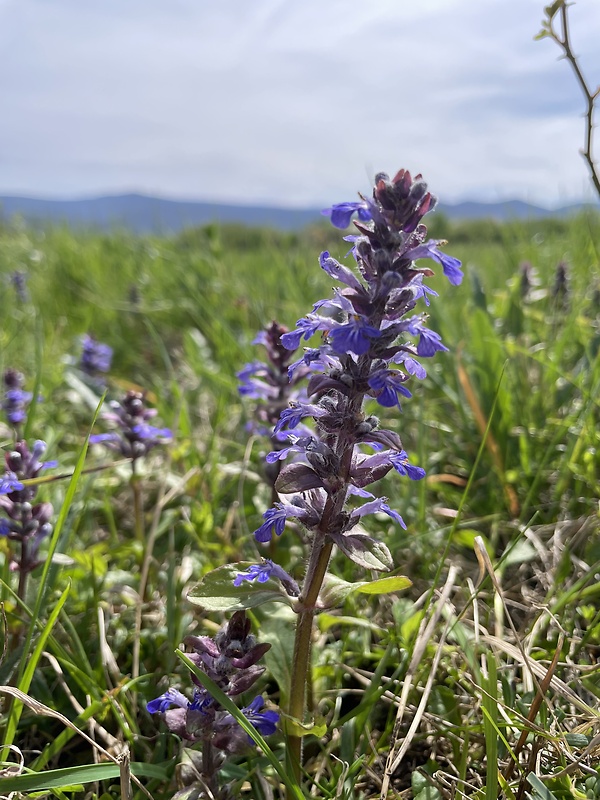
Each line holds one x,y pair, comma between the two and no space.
287,103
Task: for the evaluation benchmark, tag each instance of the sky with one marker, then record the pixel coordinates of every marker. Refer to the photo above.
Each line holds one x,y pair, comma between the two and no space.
294,103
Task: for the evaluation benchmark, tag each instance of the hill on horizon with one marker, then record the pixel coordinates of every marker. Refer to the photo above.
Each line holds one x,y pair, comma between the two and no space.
145,214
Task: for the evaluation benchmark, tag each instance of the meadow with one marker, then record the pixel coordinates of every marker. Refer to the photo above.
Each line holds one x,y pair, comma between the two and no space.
480,678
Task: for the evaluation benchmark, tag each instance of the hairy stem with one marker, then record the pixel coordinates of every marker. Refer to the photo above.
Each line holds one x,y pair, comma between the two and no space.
306,607
318,563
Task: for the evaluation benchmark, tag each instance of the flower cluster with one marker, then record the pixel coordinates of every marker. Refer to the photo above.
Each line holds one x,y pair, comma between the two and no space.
560,290
371,344
15,400
230,660
24,521
136,436
270,384
18,279
95,358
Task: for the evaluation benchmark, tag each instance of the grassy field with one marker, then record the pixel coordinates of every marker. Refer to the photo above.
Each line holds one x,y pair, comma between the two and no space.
482,678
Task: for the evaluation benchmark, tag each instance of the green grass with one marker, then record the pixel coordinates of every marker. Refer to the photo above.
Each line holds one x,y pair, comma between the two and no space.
445,672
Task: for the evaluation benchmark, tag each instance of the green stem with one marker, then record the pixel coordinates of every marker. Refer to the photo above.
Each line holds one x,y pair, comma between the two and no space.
138,506
319,561
331,520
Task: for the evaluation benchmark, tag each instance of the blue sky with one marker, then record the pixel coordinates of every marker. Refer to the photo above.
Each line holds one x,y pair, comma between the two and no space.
290,103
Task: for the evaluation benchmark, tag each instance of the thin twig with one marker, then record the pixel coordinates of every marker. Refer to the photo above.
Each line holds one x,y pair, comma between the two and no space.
564,42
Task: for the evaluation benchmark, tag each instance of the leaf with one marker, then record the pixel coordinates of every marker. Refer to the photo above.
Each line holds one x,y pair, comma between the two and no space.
316,727
553,8
216,592
422,788
385,585
278,627
540,790
297,478
336,590
68,776
364,551
327,621
518,553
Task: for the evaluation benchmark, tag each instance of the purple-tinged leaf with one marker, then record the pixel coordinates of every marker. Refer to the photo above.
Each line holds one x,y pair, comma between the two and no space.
297,478
364,550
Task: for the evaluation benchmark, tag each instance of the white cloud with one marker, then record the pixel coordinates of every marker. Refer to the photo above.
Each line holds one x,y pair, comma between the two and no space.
294,103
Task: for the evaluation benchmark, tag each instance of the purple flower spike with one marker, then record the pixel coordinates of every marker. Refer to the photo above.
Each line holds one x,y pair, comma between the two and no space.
136,436
338,271
15,400
451,266
430,343
291,416
96,357
305,328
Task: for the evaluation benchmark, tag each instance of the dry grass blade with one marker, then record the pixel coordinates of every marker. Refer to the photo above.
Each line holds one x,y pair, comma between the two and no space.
556,684
124,761
423,638
533,711
45,711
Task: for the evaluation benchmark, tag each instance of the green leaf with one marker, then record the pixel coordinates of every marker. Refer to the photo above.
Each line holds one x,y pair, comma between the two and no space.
327,621
364,550
278,626
422,788
518,553
316,727
553,8
384,585
216,592
336,590
540,790
69,776
578,740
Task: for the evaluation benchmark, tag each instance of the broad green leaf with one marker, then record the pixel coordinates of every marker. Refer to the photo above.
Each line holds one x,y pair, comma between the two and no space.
422,788
336,590
216,592
518,553
364,550
278,626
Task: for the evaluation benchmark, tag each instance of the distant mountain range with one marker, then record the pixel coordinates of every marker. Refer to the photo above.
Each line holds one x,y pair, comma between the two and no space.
143,214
